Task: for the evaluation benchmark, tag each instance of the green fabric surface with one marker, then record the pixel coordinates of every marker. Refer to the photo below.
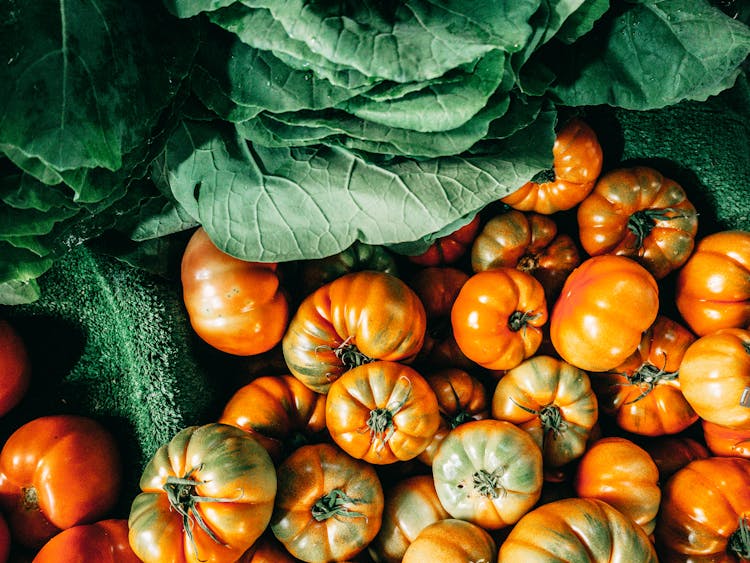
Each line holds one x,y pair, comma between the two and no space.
114,342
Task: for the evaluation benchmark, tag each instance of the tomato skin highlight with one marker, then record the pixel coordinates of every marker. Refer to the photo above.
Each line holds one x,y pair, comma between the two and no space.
15,368
56,472
105,541
605,306
236,306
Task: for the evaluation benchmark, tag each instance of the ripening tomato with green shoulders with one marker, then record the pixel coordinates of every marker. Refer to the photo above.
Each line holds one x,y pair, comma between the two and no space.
56,472
329,506
576,529
643,394
236,306
639,213
357,318
206,496
604,307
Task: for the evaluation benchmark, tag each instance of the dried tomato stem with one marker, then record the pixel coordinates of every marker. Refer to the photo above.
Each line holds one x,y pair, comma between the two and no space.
649,376
350,355
528,263
488,484
334,504
550,417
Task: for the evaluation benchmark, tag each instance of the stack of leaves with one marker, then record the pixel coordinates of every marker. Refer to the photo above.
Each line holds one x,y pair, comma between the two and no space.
291,129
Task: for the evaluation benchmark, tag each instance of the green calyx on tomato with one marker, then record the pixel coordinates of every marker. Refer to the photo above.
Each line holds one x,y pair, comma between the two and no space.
488,483
350,355
519,319
739,540
551,418
333,505
642,222
380,421
647,377
544,177
182,498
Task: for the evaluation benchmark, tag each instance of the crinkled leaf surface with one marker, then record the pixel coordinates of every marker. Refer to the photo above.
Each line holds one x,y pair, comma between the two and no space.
404,41
279,204
654,54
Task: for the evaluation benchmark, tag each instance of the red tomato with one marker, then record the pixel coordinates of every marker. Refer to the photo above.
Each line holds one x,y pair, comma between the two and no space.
103,542
15,368
448,249
57,472
236,306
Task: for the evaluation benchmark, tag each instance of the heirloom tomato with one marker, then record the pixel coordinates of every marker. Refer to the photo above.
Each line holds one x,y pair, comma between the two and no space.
673,452
56,472
15,368
329,506
643,393
449,541
207,495
437,288
105,541
236,306
358,257
622,474
488,472
411,504
497,317
605,306
357,318
382,412
713,287
577,162
638,213
448,249
278,410
725,441
552,401
461,397
528,242
704,512
576,529
715,377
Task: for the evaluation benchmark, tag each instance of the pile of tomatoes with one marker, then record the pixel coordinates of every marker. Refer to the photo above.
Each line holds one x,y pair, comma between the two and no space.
566,377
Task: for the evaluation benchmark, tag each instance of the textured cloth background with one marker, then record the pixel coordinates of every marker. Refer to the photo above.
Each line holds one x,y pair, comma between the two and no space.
114,342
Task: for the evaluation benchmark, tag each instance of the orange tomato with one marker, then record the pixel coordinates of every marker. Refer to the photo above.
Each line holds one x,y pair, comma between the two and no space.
605,306
713,287
622,474
497,317
577,162
643,393
451,540
236,306
638,213
725,441
382,412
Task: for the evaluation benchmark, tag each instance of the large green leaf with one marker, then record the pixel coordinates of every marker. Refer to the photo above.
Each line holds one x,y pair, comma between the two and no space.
654,54
82,83
279,204
404,41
